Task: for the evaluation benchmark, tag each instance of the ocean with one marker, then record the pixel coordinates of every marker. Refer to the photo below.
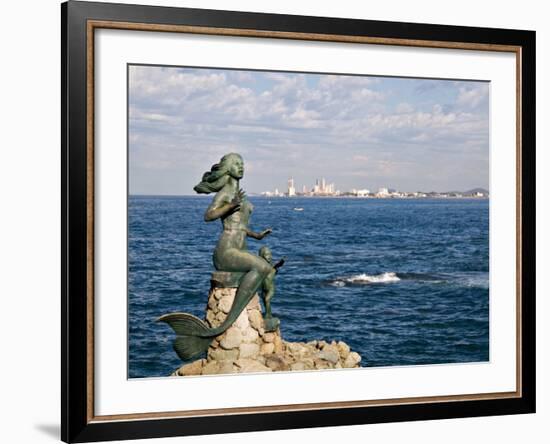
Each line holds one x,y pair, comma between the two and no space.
401,281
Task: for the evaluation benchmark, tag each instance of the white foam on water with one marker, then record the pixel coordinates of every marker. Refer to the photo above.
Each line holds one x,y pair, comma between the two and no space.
338,283
476,280
363,278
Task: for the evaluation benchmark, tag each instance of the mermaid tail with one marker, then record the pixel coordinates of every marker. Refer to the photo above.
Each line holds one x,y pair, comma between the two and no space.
193,334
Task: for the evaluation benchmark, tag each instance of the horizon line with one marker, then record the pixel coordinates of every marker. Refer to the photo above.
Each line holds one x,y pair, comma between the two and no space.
260,194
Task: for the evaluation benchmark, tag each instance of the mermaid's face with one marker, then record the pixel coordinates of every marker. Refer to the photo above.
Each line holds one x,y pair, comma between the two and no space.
236,167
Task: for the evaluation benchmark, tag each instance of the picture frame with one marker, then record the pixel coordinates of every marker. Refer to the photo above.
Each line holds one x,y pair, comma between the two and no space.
80,23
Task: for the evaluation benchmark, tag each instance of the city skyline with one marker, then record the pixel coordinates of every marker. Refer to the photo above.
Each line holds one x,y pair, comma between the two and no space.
362,132
324,188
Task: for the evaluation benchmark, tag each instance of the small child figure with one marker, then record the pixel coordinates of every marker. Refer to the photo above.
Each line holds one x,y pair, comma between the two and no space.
268,289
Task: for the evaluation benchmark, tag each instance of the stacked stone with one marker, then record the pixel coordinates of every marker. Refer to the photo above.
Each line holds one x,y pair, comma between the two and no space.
246,347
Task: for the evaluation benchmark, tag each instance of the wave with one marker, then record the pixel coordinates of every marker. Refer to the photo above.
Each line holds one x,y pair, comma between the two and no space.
471,279
366,279
462,279
474,280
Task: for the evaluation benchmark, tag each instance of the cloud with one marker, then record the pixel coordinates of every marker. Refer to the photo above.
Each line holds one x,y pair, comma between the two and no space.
336,82
473,96
182,120
404,108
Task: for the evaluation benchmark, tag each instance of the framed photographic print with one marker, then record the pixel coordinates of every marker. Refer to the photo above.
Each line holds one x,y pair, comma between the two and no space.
275,221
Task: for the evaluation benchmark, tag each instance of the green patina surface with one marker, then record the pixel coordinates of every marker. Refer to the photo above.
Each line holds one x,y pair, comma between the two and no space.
226,279
236,266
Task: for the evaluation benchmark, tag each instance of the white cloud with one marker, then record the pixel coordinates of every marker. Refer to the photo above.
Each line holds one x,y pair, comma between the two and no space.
473,96
404,108
332,82
179,116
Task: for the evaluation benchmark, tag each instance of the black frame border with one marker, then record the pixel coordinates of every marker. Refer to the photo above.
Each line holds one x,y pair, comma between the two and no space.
75,424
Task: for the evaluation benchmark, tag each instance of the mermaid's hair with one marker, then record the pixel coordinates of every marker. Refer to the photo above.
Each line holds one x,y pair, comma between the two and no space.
215,179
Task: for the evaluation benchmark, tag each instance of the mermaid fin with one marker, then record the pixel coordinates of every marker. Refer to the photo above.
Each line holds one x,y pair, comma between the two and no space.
192,334
188,347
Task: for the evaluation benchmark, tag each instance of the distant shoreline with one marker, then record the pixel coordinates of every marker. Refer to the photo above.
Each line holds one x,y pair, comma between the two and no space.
441,197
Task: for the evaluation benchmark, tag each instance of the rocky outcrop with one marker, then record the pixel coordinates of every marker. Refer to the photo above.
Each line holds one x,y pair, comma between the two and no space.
246,347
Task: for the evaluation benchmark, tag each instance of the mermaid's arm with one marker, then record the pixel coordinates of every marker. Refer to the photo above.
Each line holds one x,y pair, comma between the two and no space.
258,236
221,206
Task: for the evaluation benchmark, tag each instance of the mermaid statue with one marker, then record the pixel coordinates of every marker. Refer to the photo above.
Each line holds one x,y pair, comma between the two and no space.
232,207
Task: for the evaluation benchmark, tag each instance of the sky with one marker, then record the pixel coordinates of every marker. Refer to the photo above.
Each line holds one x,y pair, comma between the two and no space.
355,131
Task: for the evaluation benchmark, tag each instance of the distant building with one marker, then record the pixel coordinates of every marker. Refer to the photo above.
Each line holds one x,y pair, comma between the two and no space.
321,188
383,192
291,189
419,194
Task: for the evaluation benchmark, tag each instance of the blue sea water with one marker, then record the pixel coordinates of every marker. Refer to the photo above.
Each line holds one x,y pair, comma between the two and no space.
403,282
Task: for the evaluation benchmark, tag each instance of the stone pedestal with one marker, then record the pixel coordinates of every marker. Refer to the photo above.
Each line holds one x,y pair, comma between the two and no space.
243,345
246,347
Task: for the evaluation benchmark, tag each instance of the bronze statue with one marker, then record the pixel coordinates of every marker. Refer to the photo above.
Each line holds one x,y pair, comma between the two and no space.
232,207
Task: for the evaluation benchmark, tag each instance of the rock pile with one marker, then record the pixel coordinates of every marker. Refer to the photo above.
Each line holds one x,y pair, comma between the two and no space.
246,347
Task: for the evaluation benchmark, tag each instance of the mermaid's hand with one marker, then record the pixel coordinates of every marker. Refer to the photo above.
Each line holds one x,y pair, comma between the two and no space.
238,200
265,232
279,264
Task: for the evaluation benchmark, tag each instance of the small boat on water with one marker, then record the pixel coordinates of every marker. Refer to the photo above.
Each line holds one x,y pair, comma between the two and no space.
298,209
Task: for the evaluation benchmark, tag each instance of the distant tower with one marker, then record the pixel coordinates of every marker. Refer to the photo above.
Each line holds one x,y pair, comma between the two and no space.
323,185
304,190
291,189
